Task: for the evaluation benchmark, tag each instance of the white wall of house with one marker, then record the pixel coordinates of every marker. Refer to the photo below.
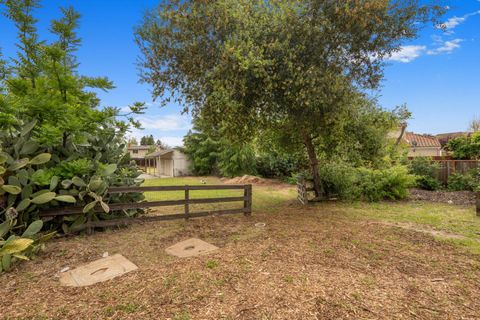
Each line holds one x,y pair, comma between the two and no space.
424,152
138,153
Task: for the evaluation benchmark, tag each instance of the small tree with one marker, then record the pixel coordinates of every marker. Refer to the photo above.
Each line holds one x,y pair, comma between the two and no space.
211,153
474,125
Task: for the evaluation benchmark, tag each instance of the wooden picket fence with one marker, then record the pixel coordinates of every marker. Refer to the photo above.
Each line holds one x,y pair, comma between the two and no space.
186,202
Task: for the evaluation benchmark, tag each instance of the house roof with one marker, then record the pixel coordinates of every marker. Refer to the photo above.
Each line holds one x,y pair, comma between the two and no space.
445,137
421,140
451,134
139,147
159,153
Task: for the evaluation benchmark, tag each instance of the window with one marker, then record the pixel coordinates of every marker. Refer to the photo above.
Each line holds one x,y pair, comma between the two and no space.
135,151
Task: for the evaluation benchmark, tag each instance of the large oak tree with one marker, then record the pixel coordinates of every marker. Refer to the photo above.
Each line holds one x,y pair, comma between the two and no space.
284,65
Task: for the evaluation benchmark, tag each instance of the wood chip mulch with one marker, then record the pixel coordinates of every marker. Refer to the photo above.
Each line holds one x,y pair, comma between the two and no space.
305,263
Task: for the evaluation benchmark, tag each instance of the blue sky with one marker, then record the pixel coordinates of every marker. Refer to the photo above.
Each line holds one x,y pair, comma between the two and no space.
436,75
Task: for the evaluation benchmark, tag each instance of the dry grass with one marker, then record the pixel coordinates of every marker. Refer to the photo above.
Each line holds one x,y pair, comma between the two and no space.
307,263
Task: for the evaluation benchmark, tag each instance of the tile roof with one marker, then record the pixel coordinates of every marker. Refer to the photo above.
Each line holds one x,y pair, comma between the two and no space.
421,140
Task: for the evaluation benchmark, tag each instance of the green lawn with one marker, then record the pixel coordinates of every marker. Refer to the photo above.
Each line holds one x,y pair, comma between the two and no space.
265,198
451,223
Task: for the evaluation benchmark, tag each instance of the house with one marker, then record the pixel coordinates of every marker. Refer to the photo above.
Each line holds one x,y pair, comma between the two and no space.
422,145
169,162
419,145
138,153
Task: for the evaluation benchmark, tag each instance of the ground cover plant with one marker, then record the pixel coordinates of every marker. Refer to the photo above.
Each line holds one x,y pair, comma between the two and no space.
330,260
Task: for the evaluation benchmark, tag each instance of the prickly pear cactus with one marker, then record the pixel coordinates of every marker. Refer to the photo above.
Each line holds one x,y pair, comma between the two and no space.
33,179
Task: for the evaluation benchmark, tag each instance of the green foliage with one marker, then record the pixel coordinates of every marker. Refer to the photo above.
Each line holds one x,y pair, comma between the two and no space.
210,153
298,67
274,165
362,183
203,152
428,183
426,172
30,185
469,181
57,146
465,147
147,141
14,247
236,159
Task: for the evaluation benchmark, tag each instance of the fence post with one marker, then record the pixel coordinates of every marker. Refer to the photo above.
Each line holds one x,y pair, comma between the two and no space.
247,202
187,202
302,194
478,204
89,226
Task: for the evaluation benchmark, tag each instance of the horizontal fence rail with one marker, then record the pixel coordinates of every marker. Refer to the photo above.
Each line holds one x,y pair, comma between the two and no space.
185,202
449,167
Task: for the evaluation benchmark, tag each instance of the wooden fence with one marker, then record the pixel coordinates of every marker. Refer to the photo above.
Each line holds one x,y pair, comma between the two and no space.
186,202
478,204
448,167
304,189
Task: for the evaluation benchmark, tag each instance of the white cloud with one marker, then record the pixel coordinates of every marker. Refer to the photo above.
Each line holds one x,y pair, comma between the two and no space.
453,22
159,125
446,47
166,123
125,109
172,141
407,53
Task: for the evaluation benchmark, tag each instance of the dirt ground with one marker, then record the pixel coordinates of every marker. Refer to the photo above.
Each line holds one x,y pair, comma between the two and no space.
258,181
306,263
441,196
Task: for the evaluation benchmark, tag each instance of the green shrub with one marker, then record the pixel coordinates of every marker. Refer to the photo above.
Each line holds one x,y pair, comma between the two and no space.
465,147
469,181
362,183
391,183
275,166
428,183
69,169
341,180
426,172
